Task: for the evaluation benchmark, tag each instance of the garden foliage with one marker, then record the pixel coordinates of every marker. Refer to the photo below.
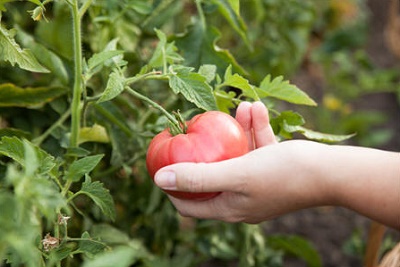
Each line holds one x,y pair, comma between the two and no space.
85,85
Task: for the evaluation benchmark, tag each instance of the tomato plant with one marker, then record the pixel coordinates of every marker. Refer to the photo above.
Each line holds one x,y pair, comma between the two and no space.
209,137
86,85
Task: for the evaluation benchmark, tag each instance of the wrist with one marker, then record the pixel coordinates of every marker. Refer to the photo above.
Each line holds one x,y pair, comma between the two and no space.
313,159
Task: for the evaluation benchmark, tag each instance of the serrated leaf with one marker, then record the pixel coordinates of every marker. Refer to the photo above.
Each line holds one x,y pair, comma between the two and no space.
292,118
237,81
58,254
317,136
281,89
164,52
208,71
14,148
14,96
224,100
115,86
81,167
11,51
100,58
100,196
193,87
90,246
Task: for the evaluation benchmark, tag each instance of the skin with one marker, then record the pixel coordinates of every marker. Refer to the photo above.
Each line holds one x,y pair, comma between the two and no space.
277,178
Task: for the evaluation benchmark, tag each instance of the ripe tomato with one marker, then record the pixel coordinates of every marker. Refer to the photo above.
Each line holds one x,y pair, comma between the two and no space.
211,136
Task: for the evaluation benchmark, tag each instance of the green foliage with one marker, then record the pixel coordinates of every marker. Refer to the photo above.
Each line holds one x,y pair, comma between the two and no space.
13,53
81,98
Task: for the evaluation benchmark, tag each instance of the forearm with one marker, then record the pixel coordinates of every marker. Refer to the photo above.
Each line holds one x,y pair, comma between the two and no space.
364,180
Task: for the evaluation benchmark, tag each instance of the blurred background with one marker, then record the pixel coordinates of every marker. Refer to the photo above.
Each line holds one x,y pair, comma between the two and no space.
352,70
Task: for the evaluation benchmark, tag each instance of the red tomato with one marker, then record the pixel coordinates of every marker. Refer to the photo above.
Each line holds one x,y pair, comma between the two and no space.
211,136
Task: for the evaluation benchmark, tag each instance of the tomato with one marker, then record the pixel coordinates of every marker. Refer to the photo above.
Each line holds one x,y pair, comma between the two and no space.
210,137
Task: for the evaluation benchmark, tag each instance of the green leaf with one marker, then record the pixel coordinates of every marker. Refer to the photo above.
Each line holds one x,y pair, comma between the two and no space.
58,254
100,196
100,58
199,46
230,9
141,6
11,51
2,2
193,86
96,133
90,246
296,246
45,56
208,71
14,148
237,81
164,53
57,35
82,166
278,88
110,234
14,132
115,86
292,118
317,136
122,256
14,96
225,100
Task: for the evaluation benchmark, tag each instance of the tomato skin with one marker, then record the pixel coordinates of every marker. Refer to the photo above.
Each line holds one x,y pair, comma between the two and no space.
210,137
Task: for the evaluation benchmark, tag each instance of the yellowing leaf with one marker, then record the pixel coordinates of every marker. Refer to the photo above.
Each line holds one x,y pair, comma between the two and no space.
96,133
14,96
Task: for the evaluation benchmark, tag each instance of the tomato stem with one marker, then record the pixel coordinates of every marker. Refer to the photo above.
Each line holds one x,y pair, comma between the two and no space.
182,122
174,124
77,91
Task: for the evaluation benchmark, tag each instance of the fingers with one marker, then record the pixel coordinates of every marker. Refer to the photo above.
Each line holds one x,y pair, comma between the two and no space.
243,116
220,176
262,130
217,208
254,119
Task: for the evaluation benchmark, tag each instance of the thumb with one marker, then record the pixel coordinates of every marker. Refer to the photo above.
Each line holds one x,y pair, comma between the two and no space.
220,176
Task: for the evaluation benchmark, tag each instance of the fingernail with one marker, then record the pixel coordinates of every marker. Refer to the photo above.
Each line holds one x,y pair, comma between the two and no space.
165,179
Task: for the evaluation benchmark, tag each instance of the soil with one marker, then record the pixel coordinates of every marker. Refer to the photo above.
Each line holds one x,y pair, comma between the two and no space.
329,228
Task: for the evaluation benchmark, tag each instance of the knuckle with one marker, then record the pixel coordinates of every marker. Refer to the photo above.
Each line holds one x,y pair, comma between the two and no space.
194,181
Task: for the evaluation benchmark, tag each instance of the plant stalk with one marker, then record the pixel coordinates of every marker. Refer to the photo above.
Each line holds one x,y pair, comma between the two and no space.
175,126
76,106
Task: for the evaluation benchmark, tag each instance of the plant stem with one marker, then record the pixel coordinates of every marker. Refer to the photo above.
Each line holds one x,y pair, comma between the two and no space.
154,75
201,14
174,123
84,8
78,82
59,122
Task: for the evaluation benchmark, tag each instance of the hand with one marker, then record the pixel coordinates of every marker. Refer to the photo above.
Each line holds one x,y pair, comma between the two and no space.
273,180
258,186
241,180
254,119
